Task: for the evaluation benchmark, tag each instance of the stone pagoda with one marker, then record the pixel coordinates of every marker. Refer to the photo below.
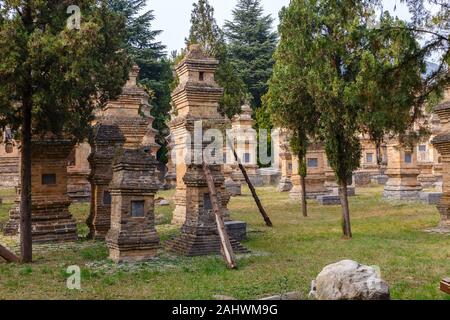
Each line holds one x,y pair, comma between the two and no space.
119,124
402,171
245,144
315,179
285,184
50,216
78,185
442,144
133,237
196,101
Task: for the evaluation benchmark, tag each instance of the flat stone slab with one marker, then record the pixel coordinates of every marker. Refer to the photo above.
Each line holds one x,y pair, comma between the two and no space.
438,230
329,200
290,296
237,230
430,197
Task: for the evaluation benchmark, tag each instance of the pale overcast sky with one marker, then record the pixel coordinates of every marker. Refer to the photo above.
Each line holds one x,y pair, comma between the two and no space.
173,16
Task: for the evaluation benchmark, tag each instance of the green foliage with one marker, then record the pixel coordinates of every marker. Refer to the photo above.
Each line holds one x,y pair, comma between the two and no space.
156,69
251,44
336,76
205,31
65,73
342,77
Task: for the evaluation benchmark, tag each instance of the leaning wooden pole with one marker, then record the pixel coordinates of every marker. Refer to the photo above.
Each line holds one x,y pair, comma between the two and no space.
252,189
8,255
227,249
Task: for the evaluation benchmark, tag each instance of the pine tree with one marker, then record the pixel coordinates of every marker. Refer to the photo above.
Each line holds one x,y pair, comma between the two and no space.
205,31
252,43
52,77
156,72
332,59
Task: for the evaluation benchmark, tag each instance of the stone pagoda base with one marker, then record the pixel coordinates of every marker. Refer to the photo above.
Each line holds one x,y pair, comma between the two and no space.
51,222
402,193
296,193
285,185
193,245
380,179
132,246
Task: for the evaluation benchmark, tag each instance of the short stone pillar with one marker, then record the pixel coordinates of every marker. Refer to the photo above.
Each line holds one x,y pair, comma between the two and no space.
196,99
315,178
132,236
50,216
78,185
442,144
285,184
402,171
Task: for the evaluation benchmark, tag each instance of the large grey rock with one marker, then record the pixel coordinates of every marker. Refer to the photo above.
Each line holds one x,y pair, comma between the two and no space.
349,280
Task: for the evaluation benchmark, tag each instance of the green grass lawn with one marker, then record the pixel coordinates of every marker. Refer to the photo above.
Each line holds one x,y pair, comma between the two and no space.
285,258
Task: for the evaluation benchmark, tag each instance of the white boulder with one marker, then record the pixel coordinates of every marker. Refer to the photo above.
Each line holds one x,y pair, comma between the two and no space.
349,280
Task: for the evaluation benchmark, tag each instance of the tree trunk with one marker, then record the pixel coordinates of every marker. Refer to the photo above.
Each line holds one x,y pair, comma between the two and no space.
8,255
345,210
227,249
25,193
304,203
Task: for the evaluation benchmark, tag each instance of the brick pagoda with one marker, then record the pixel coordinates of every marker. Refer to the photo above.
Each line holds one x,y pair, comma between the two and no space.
50,216
120,124
196,99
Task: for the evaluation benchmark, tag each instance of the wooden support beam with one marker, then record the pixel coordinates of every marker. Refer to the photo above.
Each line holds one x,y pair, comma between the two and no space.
252,188
227,249
445,285
8,255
